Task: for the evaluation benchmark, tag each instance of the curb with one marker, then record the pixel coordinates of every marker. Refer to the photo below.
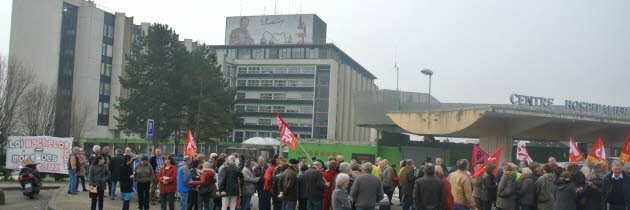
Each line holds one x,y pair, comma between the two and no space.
20,188
52,203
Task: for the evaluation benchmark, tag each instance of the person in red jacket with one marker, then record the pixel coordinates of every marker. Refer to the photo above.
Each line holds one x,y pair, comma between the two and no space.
206,180
450,201
168,182
330,175
268,184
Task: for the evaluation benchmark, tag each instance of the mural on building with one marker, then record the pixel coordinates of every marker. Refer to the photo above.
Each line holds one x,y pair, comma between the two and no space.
266,30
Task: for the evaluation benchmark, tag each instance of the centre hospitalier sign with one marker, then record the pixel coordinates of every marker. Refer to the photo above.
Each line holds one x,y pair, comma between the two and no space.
570,105
50,153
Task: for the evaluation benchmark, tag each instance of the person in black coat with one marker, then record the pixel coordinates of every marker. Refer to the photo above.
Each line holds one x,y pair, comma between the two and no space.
114,169
125,177
302,194
594,187
488,188
566,195
315,186
579,180
526,190
429,191
616,186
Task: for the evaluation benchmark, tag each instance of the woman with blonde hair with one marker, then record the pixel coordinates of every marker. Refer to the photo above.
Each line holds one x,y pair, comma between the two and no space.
205,186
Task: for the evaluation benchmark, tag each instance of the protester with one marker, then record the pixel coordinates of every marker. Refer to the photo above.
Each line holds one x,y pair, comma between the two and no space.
107,156
440,162
477,186
194,174
522,164
387,179
302,188
315,186
617,188
81,173
268,177
429,191
594,187
182,182
407,181
587,169
329,176
557,170
375,170
114,168
461,186
339,159
579,180
340,199
168,183
506,192
288,186
228,184
275,189
526,189
143,175
450,201
488,187
96,151
206,187
98,176
157,161
566,195
403,163
259,172
73,169
248,185
125,177
367,190
545,188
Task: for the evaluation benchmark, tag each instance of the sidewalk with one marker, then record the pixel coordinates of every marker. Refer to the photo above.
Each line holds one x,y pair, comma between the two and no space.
15,185
63,200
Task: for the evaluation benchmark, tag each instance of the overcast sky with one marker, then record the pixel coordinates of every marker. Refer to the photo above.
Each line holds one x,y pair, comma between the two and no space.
480,51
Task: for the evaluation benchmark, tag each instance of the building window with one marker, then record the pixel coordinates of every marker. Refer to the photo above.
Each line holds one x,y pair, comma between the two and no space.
297,53
266,83
292,83
266,96
103,113
320,133
266,70
245,53
264,134
321,120
312,53
279,109
264,121
231,53
306,96
108,31
106,69
294,70
104,89
241,83
322,92
280,83
323,78
239,108
285,53
238,136
293,110
242,70
253,82
259,53
253,70
240,95
279,96
306,110
272,53
321,106
308,70
305,136
251,108
266,109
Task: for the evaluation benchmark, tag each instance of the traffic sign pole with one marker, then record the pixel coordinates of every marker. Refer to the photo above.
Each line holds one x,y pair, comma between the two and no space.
149,136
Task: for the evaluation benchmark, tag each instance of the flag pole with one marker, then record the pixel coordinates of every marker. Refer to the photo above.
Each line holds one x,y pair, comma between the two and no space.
304,150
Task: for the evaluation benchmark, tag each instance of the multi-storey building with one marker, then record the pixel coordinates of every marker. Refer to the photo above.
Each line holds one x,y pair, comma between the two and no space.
78,49
281,64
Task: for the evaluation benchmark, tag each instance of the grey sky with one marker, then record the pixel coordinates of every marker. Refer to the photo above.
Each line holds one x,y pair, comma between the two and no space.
480,51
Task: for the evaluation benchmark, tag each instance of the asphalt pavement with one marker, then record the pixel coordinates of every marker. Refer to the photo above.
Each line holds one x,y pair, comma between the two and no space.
15,200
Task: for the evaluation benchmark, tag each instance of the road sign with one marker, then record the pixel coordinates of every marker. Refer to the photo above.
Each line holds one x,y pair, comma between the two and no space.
150,127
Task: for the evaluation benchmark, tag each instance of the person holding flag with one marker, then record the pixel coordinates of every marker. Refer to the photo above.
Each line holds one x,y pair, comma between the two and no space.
625,150
598,153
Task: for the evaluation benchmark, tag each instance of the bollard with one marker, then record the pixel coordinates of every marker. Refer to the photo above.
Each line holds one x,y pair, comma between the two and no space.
1,197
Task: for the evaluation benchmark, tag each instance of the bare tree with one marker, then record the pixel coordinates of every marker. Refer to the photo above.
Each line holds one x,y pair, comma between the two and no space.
38,118
19,80
79,118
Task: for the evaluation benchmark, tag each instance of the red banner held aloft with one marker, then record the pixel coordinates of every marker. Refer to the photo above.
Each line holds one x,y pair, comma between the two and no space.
494,159
191,145
575,155
287,137
477,154
598,153
625,151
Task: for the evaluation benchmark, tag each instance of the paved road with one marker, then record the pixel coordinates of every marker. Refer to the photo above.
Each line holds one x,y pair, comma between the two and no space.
15,200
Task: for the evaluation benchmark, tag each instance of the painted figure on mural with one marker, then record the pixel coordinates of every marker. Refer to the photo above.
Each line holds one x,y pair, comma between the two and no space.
240,35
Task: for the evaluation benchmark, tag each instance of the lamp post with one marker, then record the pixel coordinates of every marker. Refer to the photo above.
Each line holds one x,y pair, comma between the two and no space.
429,73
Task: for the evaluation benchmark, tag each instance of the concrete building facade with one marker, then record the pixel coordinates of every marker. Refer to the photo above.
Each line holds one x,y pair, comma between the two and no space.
78,49
310,83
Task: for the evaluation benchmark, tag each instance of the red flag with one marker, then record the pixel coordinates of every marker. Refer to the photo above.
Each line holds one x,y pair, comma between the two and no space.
598,153
495,158
191,146
287,137
478,154
625,151
575,155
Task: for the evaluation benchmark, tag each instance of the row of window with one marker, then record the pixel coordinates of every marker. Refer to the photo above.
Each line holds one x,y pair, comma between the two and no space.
275,96
240,136
269,121
273,109
108,50
108,31
275,83
276,53
276,69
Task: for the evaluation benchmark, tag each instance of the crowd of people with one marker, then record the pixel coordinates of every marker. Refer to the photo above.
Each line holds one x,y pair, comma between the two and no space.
222,181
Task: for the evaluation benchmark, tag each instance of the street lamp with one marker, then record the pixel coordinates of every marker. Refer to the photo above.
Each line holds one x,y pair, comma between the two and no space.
429,73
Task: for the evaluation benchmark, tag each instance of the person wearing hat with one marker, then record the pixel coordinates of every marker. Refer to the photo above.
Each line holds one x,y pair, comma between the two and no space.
143,175
289,186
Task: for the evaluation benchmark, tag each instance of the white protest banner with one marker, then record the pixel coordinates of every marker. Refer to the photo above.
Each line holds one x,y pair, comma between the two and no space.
51,153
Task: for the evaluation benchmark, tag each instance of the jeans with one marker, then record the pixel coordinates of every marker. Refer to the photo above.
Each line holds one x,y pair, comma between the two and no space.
167,197
143,195
73,181
407,202
228,200
288,205
263,200
82,179
112,189
97,198
314,204
206,202
486,205
246,202
302,204
460,207
183,200
193,200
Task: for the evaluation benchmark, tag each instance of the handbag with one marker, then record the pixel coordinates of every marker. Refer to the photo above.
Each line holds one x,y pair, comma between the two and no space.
92,189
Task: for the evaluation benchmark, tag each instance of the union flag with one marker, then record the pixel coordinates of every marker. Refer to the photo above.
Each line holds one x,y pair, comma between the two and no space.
287,137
